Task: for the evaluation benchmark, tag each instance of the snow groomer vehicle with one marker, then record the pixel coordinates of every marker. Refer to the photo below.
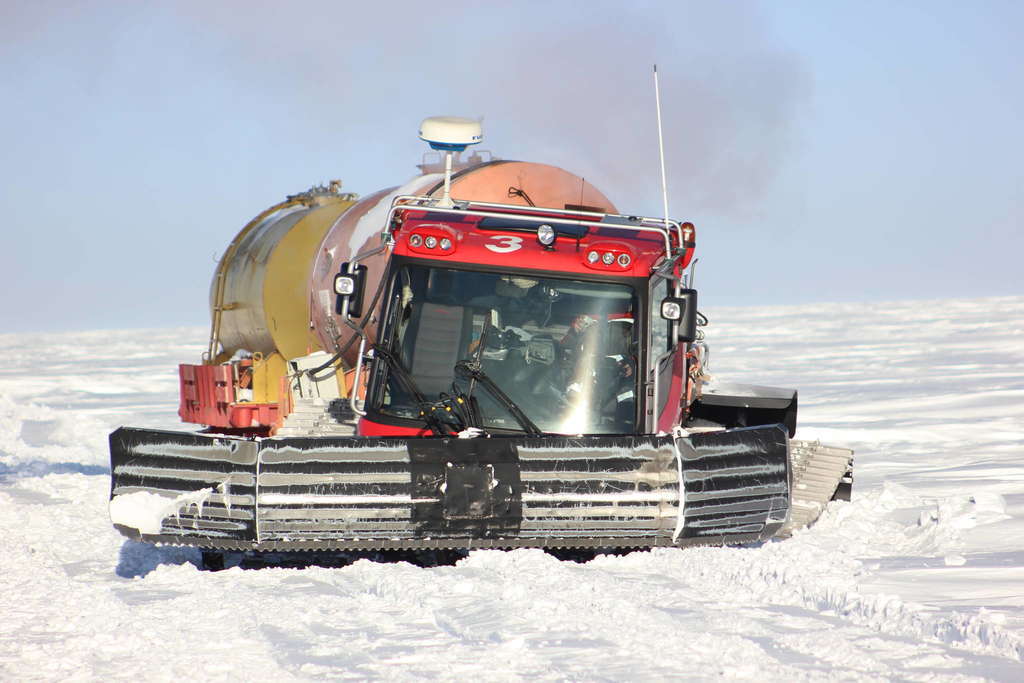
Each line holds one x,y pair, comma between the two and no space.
491,356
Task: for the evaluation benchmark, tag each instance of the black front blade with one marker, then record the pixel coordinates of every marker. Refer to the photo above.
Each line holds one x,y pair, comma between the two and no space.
357,492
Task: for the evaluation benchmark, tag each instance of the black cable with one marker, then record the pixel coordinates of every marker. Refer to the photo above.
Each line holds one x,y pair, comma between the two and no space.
359,328
516,192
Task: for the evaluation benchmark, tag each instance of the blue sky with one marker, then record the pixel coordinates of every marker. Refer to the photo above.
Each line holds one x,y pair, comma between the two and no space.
826,151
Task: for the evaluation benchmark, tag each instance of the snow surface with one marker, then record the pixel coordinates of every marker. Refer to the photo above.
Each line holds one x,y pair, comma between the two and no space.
920,577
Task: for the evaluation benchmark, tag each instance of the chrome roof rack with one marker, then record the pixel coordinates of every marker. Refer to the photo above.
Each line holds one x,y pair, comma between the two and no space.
661,226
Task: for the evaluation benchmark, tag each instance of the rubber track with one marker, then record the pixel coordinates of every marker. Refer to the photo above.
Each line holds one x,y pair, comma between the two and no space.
443,544
817,471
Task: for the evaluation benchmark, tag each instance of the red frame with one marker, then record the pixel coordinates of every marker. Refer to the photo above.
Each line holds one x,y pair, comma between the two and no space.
495,247
208,391
208,398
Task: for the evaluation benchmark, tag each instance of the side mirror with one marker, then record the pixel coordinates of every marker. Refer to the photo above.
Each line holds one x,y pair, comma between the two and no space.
349,288
683,310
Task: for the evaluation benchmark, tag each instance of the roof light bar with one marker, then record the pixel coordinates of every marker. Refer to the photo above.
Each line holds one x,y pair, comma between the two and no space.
561,216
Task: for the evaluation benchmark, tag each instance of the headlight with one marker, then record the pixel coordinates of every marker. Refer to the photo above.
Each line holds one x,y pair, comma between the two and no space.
608,258
624,260
446,243
545,234
592,257
344,284
430,241
415,240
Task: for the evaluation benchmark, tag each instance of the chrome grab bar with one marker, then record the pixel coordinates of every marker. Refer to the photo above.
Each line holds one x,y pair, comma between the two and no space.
354,394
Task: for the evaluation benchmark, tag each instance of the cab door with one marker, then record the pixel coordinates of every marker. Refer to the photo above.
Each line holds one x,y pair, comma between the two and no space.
666,366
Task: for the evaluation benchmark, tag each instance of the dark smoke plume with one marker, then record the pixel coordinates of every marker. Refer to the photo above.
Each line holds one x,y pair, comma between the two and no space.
567,83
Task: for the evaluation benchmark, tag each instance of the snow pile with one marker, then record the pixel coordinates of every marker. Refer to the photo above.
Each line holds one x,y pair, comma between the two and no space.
918,578
146,511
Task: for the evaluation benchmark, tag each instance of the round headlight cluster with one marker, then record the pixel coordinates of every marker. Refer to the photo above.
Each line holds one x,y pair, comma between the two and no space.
609,258
430,241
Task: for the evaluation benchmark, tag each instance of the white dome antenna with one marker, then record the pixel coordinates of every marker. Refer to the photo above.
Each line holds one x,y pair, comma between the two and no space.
450,134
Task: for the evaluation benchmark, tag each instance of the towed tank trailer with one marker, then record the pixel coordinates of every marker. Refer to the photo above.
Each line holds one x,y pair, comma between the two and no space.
520,366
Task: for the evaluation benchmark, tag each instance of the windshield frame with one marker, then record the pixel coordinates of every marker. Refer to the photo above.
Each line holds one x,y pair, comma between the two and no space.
391,306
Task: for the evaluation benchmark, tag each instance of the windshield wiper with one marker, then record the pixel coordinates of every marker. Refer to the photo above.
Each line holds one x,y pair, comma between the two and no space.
404,378
474,371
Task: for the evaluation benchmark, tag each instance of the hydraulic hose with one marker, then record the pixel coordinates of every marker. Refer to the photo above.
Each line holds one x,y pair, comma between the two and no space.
359,330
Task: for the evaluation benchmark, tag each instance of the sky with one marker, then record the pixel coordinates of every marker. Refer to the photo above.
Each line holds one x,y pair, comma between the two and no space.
827,152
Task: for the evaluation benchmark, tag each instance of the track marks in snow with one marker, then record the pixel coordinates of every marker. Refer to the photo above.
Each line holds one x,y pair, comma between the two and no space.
913,580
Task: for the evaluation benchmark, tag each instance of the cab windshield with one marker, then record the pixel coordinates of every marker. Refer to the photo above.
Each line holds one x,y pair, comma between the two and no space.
563,350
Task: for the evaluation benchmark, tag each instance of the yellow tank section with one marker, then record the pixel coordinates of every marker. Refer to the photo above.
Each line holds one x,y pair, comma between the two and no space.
222,281
258,298
285,292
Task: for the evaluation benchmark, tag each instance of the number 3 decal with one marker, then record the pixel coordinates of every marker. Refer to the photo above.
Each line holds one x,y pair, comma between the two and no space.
506,244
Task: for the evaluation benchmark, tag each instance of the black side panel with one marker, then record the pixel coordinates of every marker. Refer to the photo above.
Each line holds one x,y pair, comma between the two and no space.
736,481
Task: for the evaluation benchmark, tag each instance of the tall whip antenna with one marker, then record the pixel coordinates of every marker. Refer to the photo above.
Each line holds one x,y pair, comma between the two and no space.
661,148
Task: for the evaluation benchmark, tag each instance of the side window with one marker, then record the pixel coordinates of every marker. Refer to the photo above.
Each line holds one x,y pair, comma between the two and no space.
660,328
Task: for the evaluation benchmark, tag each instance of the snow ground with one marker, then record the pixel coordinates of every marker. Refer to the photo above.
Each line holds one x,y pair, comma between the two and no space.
920,577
